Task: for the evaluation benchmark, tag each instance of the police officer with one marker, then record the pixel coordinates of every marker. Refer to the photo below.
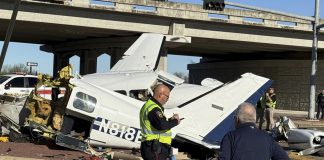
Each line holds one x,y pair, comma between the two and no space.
320,104
155,127
271,101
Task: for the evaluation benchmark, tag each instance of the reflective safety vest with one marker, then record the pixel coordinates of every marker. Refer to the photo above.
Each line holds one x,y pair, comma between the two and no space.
271,104
148,131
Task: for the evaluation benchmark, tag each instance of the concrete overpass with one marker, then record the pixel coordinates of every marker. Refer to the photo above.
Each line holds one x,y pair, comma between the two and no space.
49,23
230,44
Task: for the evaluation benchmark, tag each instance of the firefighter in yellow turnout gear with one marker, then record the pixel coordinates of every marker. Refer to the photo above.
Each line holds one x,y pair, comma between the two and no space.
155,127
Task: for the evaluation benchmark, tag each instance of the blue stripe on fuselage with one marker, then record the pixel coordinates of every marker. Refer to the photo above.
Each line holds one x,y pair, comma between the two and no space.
215,136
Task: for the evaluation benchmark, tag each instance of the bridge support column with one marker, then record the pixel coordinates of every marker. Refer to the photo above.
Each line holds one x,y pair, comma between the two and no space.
177,29
115,55
88,50
291,77
60,60
163,63
88,62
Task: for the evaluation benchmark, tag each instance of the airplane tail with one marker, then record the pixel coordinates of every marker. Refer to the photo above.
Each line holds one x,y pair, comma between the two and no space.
136,59
211,115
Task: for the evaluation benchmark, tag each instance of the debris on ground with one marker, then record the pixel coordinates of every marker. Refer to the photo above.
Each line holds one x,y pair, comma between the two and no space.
4,139
295,156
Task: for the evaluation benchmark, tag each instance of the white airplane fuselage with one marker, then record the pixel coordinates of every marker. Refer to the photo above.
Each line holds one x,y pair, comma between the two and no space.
116,119
115,113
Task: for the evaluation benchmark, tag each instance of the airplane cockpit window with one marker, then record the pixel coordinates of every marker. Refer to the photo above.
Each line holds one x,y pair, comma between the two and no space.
84,102
141,95
121,92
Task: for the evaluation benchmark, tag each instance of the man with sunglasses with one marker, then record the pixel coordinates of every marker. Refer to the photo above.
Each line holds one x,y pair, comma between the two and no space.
155,127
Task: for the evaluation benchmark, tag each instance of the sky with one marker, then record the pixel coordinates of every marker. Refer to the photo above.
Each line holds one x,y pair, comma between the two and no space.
21,53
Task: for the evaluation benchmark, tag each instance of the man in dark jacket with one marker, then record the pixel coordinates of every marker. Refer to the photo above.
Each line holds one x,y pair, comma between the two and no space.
247,142
320,104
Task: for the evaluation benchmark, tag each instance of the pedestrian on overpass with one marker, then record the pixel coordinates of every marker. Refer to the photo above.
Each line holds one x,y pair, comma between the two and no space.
320,104
247,142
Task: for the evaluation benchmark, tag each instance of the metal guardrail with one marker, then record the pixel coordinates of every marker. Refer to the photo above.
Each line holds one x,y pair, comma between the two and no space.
196,12
178,10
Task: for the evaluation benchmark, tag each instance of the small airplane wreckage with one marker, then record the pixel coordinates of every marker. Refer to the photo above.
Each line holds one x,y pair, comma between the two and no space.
102,109
306,141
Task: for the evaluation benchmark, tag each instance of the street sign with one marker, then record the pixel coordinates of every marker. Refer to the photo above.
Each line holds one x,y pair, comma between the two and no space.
32,64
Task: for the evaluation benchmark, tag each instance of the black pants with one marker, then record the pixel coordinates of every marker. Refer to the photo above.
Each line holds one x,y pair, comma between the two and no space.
320,108
151,150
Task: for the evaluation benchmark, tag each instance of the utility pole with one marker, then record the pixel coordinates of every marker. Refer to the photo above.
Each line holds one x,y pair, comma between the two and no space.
316,28
9,32
311,111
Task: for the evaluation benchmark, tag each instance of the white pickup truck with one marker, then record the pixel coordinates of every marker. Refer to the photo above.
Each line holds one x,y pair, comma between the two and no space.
23,84
17,83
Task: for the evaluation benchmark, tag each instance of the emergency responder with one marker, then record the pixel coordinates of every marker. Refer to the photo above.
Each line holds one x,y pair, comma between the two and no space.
271,101
156,129
320,104
247,142
260,107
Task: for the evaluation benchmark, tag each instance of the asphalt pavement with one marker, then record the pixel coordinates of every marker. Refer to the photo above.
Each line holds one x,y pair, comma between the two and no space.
300,118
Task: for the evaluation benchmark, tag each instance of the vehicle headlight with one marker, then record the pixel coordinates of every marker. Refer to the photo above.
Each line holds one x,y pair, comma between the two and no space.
317,140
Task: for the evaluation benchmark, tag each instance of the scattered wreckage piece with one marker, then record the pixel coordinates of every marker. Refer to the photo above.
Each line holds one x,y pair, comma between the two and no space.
35,108
10,107
49,112
306,141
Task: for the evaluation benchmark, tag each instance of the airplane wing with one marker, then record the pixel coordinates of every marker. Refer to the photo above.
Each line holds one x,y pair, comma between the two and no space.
143,55
209,116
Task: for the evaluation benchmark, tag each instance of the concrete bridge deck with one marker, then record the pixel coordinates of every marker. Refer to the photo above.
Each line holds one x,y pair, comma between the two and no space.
202,31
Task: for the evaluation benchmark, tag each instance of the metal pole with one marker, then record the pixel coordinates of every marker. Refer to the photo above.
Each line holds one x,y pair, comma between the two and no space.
311,111
9,32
